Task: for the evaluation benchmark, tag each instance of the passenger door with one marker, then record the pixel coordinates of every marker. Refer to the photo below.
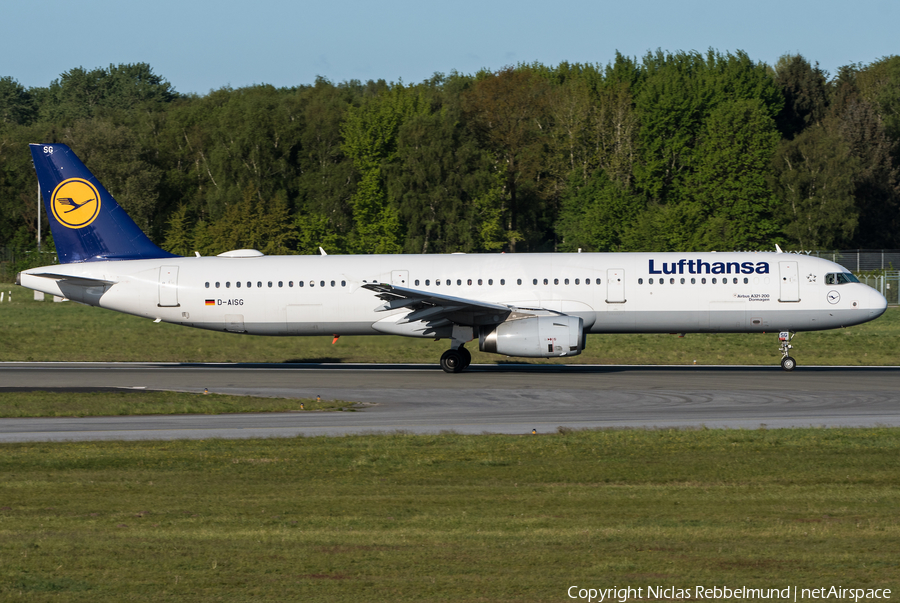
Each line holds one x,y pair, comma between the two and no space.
790,282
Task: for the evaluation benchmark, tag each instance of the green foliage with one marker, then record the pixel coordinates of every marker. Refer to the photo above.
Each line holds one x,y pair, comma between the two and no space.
250,224
17,105
728,187
813,173
83,94
370,141
671,151
599,215
805,90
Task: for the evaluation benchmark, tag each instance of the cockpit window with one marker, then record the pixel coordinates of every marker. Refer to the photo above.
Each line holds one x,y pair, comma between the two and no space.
840,278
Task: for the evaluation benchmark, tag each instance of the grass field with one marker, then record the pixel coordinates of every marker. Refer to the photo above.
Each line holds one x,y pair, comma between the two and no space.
104,404
448,517
46,331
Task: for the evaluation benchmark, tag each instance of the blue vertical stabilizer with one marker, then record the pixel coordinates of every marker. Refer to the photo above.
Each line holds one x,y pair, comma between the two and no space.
87,223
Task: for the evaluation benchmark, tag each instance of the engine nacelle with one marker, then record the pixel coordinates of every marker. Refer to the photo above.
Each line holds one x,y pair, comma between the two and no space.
535,337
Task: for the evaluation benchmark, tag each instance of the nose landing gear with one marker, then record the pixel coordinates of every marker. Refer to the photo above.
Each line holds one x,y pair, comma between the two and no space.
787,363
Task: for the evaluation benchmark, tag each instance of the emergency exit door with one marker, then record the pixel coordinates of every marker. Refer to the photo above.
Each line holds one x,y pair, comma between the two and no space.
615,286
400,278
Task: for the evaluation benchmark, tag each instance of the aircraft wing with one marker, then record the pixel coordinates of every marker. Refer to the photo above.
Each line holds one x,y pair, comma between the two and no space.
435,308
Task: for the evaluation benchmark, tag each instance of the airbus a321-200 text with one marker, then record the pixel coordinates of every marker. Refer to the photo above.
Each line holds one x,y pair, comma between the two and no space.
540,305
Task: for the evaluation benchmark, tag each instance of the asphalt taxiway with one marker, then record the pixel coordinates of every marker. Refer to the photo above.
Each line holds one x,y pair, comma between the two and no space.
485,398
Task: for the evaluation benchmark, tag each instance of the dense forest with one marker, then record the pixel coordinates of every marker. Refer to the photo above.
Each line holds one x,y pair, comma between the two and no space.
671,152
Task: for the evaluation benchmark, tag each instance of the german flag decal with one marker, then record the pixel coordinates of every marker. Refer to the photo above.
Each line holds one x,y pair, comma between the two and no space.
210,302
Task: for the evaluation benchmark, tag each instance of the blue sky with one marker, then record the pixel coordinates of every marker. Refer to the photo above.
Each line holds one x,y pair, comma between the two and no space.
203,45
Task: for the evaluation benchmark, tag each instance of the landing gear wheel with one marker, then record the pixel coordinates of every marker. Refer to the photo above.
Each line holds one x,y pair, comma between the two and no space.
466,357
452,361
788,363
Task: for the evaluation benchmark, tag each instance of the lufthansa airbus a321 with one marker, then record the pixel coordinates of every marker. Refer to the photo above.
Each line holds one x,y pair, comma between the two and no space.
529,305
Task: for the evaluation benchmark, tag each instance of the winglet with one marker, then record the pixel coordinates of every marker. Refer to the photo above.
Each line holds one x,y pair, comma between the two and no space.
322,251
778,249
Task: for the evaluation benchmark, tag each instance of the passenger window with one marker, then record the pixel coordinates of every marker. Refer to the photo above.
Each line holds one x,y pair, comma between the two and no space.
518,280
227,284
458,282
735,280
703,281
417,282
649,281
640,281
281,283
502,281
312,283
237,284
207,284
534,281
566,281
556,281
448,282
217,285
299,283
682,280
746,280
343,283
427,282
577,281
672,281
598,281
714,281
332,283
270,284
321,284
662,281
545,281
437,282
259,283
490,281
290,283
693,281
479,281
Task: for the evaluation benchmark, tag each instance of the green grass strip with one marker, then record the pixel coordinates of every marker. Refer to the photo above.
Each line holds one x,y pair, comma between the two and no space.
448,517
104,404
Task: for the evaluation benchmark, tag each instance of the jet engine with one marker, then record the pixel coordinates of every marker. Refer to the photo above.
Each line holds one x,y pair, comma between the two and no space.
534,337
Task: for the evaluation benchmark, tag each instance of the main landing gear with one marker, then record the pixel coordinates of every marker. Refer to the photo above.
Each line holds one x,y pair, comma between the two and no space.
787,363
455,360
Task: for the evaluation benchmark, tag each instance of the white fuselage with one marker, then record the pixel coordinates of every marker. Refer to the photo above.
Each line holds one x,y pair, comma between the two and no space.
611,292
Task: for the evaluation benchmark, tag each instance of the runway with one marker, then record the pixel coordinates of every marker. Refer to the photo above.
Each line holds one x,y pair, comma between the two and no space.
485,398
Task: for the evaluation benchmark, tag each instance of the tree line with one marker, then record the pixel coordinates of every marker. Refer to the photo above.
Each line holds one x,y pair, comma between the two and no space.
669,152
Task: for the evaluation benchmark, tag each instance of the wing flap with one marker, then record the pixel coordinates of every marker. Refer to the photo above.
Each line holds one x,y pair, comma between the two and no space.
435,308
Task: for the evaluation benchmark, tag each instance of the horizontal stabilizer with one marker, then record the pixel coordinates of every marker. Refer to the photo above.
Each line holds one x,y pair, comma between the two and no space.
80,281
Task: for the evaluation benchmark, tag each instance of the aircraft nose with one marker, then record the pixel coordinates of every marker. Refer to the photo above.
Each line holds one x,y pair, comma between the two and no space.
877,303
